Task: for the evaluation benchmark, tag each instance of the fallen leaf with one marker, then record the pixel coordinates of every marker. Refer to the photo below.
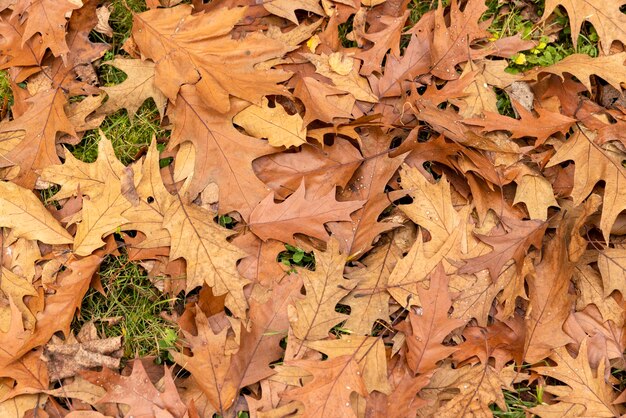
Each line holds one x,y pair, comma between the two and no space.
274,123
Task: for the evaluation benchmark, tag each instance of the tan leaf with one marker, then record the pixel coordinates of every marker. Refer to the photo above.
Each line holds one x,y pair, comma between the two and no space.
471,390
351,82
607,19
48,18
287,8
432,206
16,288
594,163
274,123
90,178
612,265
536,192
313,317
368,301
21,211
609,67
367,352
588,391
210,258
322,101
136,89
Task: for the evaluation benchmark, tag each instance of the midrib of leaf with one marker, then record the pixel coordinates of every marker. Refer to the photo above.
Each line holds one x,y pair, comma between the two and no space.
208,255
221,151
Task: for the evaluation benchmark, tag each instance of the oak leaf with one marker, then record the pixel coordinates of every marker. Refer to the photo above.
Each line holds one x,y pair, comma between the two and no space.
323,169
297,214
223,155
88,178
210,258
48,18
350,81
138,392
536,193
431,208
590,291
386,39
411,273
549,299
197,50
41,123
400,71
583,67
426,332
312,317
541,127
274,123
474,389
25,214
607,18
209,363
612,265
16,288
367,352
322,101
452,40
369,301
329,393
287,8
594,163
510,246
369,183
587,393
136,89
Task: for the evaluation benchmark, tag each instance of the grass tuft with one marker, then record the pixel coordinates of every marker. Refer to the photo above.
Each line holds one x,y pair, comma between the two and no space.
135,304
128,137
6,95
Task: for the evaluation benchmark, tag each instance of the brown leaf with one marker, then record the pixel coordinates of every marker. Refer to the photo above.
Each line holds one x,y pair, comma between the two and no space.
322,101
48,18
299,215
473,389
138,392
329,393
349,80
541,127
427,330
287,8
174,38
607,20
223,155
367,352
323,169
609,67
510,246
41,123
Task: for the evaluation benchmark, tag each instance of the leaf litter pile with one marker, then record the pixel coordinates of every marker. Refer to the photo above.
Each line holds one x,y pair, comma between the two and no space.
368,208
